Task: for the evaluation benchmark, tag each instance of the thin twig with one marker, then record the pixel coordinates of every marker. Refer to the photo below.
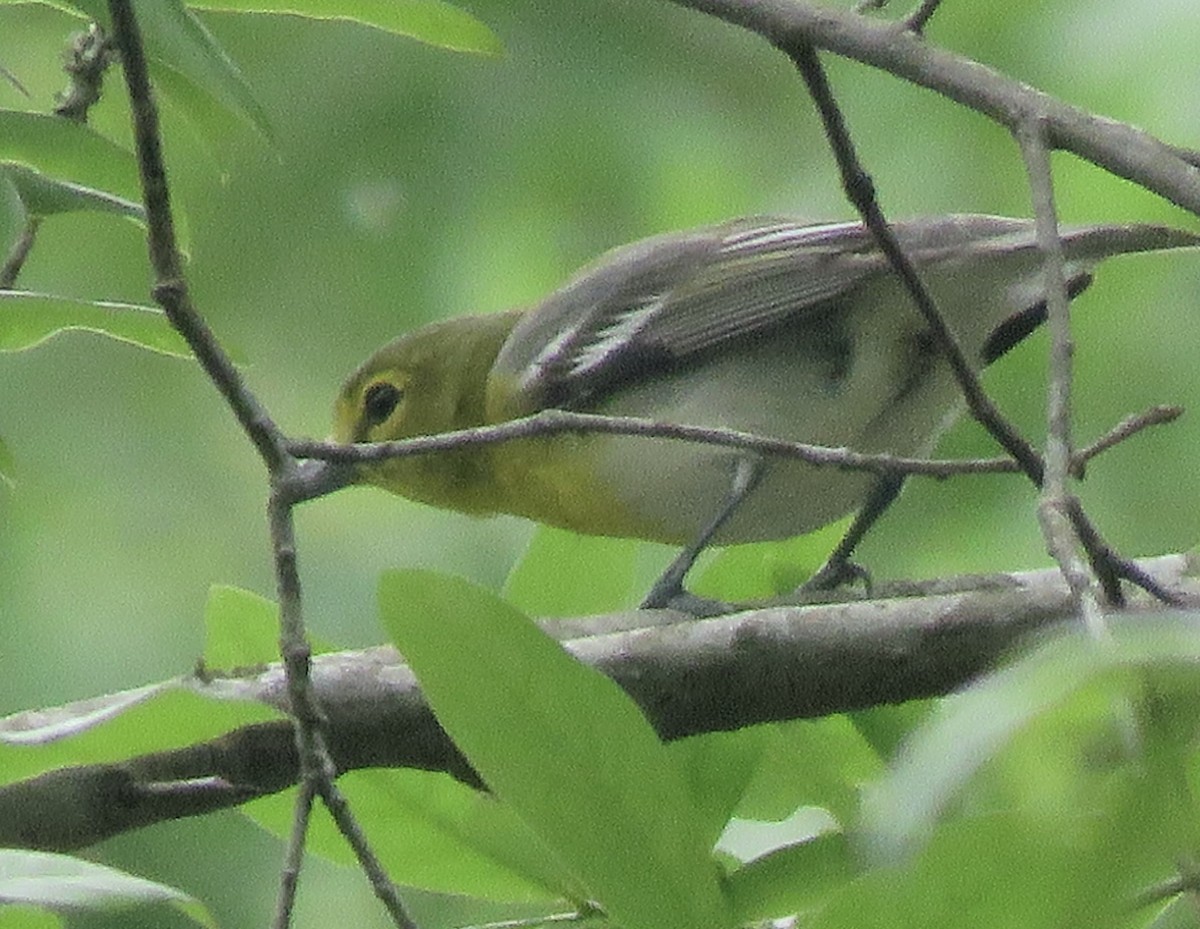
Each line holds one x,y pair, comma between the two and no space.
1057,501
87,58
1061,540
291,482
861,192
1118,148
343,458
548,422
170,288
916,20
385,890
1125,429
19,252
289,875
316,763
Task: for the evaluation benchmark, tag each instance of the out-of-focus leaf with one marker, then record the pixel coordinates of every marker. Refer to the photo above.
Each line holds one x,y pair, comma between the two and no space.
42,195
67,885
116,727
790,879
28,319
13,216
766,569
432,832
63,149
7,465
563,573
17,916
176,39
970,729
434,22
241,629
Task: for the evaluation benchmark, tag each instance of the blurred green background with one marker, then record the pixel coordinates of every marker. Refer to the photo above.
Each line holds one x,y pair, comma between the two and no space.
407,183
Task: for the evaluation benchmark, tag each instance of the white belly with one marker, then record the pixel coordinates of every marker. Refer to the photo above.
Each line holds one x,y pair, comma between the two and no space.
838,397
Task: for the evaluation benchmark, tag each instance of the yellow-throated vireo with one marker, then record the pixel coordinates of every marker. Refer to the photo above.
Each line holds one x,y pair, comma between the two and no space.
763,325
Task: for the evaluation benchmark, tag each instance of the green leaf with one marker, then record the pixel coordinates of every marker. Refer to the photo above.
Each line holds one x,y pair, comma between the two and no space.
42,195
68,885
116,727
65,150
434,833
767,569
972,728
8,465
177,40
791,879
563,573
240,628
719,768
28,319
564,746
27,917
434,22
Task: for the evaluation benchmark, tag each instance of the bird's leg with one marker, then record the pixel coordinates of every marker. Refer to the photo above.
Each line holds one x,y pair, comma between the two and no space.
668,590
838,568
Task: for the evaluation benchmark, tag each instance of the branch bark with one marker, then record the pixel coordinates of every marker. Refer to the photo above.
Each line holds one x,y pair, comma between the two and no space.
689,677
1120,149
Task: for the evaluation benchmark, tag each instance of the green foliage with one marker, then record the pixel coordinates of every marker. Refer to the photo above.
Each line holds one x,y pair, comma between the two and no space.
563,746
155,718
67,151
433,21
435,834
65,886
564,574
29,319
382,184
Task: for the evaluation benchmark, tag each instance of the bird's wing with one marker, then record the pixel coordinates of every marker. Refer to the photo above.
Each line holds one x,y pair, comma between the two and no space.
656,304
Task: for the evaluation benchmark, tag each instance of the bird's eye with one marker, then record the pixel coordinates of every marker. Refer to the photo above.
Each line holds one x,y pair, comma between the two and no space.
380,401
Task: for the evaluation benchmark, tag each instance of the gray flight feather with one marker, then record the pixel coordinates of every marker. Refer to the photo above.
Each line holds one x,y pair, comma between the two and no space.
665,300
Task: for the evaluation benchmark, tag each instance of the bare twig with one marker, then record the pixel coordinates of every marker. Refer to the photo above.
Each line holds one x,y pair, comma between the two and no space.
19,252
552,421
289,875
861,192
385,890
1126,428
290,483
1053,512
1120,149
86,60
916,20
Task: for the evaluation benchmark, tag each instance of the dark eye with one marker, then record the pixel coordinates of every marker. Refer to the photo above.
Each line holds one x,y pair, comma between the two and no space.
380,401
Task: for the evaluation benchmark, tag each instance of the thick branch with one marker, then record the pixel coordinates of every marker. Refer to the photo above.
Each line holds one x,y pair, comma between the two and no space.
689,677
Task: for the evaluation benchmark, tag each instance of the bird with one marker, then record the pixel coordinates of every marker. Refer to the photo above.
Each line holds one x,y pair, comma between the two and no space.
766,325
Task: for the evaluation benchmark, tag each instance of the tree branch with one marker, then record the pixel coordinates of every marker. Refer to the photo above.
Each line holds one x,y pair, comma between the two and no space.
689,676
1118,148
